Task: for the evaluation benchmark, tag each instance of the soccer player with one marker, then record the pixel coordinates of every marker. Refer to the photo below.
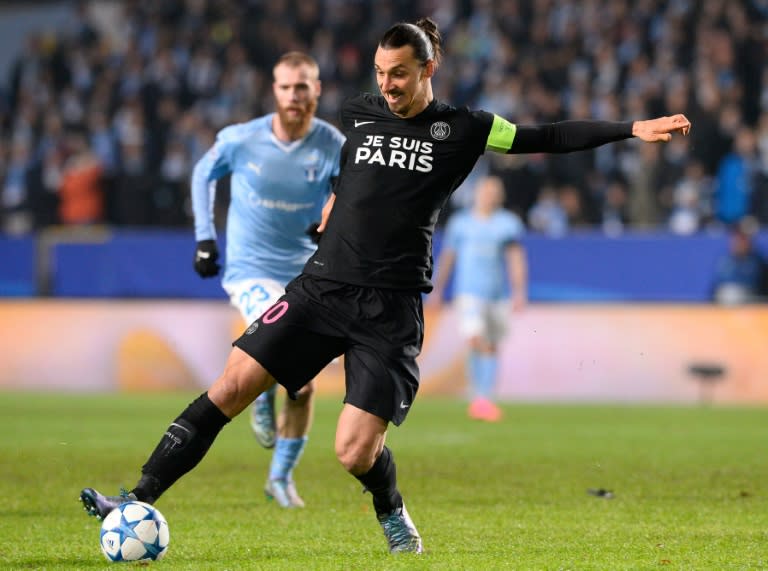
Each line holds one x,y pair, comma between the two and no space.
483,245
282,167
360,293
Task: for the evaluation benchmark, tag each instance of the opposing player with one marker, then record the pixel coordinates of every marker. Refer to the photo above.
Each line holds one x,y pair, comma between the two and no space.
360,293
282,167
491,280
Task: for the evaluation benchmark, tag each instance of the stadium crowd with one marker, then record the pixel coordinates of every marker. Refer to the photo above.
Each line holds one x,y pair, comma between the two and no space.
103,119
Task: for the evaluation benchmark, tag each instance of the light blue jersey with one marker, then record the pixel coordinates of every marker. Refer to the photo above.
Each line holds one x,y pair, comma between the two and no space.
479,245
277,190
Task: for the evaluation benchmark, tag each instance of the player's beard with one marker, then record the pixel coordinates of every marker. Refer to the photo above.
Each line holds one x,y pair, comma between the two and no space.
297,122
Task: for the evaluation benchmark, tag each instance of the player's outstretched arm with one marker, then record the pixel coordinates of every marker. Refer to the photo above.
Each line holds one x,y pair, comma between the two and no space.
661,129
570,136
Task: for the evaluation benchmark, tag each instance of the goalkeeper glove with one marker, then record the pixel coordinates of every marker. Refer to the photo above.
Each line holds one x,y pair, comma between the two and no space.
206,255
312,232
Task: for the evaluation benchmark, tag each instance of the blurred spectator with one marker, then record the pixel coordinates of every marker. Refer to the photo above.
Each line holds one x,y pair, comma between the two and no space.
144,76
131,194
643,172
571,201
171,190
44,184
741,275
15,204
102,141
759,206
547,215
81,193
691,208
735,179
614,211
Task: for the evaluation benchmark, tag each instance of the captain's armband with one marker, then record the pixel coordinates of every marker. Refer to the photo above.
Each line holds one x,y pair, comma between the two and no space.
502,135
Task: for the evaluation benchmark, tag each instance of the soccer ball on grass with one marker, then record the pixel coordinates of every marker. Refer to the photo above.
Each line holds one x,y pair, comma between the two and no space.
134,531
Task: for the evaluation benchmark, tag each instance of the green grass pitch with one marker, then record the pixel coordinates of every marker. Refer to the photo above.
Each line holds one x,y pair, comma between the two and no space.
690,485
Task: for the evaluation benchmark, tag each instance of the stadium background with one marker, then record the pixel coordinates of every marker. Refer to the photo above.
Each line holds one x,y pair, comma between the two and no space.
106,106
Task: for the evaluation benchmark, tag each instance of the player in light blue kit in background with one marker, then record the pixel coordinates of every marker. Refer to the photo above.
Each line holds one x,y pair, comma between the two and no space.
483,245
282,166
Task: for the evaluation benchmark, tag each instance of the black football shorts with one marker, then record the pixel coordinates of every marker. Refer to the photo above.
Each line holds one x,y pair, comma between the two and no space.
379,332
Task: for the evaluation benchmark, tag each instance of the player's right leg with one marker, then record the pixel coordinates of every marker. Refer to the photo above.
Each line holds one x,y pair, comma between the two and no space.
382,378
360,448
191,434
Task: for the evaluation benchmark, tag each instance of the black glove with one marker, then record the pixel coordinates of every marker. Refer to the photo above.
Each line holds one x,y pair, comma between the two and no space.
206,255
312,232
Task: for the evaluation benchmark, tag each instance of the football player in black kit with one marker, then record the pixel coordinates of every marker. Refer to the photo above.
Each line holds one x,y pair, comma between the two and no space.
360,293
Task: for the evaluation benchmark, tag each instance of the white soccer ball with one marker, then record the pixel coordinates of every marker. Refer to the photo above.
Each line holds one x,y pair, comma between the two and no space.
134,531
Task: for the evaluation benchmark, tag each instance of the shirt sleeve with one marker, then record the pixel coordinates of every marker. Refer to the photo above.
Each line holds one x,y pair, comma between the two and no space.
514,230
562,137
214,164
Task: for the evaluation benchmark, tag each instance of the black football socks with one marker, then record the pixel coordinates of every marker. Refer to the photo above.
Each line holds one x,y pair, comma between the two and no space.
381,481
181,448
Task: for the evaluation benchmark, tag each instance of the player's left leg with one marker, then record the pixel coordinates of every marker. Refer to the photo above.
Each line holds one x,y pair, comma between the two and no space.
360,448
191,434
293,428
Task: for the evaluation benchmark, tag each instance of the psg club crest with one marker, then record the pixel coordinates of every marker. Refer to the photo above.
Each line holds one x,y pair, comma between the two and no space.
440,130
253,327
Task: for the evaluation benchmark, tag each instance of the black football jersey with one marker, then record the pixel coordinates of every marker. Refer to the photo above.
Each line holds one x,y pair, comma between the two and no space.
396,175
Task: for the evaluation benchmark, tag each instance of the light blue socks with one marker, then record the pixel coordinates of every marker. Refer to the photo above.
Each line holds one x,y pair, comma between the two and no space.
285,457
482,374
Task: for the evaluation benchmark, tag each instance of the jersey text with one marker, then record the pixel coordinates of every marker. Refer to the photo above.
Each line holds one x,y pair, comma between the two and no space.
402,152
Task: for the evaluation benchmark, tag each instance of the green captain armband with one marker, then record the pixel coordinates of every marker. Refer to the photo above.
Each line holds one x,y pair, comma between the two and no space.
501,136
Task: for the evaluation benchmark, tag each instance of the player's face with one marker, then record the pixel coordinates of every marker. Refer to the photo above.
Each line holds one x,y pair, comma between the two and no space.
403,80
296,91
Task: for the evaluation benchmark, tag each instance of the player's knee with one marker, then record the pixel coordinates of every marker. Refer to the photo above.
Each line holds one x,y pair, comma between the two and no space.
239,384
225,392
355,458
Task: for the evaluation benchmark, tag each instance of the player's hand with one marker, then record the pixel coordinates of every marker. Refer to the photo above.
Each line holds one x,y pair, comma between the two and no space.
661,129
327,207
206,255
313,232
